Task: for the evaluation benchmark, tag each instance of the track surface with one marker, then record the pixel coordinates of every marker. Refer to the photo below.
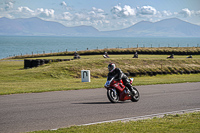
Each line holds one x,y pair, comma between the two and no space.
50,110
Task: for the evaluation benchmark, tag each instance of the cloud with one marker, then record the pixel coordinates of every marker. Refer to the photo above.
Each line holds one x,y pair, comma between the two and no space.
96,14
45,13
185,12
126,11
25,10
39,12
67,16
97,10
146,10
21,12
8,6
197,13
166,13
81,17
93,15
65,6
116,9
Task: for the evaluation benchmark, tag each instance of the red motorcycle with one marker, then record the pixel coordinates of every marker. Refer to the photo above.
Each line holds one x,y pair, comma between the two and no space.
117,91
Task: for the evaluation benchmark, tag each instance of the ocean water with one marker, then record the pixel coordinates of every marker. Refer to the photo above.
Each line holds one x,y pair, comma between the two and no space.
21,45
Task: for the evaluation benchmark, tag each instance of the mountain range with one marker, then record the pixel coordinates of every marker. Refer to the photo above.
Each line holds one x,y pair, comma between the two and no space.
172,27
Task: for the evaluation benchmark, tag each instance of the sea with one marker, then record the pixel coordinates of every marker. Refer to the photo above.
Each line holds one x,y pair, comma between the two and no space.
22,45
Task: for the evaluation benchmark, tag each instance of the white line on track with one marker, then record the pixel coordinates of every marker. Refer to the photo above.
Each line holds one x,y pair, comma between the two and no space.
146,116
143,117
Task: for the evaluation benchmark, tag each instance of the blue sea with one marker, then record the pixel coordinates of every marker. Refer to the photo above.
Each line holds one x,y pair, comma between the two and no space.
21,45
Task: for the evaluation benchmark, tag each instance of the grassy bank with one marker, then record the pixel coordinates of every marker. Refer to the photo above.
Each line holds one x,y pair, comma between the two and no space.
58,76
186,123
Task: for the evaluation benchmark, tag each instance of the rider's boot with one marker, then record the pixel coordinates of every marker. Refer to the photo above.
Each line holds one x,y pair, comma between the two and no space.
131,89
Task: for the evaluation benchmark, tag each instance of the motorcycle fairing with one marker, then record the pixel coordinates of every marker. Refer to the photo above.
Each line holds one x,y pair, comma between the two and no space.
120,89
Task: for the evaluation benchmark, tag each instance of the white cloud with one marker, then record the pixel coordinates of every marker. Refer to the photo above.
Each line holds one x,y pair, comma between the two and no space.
45,13
185,12
116,10
96,14
8,6
25,10
93,15
126,11
63,4
81,17
166,13
67,16
97,10
21,12
197,13
146,10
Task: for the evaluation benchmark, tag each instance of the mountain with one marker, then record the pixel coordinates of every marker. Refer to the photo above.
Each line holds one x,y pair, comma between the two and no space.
37,27
165,28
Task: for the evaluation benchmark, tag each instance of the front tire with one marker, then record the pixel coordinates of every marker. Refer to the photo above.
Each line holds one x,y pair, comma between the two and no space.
112,95
136,97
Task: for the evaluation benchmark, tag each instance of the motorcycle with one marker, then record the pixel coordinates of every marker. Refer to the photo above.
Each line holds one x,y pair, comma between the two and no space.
117,91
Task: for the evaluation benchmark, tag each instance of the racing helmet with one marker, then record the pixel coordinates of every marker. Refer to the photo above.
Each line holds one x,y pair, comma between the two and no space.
111,67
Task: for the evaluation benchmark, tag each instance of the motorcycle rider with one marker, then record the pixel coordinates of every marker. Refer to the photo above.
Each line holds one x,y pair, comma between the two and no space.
118,75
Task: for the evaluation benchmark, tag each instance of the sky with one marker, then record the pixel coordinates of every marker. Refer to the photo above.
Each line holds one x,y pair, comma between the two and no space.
103,15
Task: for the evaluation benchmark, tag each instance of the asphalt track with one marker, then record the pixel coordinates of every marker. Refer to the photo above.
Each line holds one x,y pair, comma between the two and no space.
52,110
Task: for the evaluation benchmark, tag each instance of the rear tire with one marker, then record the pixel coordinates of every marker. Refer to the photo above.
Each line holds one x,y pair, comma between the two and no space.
136,97
112,96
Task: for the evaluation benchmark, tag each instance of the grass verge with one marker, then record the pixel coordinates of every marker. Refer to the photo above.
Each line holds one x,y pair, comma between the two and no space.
66,75
45,85
185,123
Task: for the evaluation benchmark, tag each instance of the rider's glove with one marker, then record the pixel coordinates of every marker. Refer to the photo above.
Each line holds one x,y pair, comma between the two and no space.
107,84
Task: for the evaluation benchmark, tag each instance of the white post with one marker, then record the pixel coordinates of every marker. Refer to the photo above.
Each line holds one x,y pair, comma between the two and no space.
85,75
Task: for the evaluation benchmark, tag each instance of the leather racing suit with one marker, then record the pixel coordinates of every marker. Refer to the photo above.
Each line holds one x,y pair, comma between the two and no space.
118,75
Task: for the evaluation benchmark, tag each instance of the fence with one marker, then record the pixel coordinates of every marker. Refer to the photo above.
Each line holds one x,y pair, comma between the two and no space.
129,46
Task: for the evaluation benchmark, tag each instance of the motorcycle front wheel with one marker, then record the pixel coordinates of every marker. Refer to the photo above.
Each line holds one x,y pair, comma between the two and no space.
136,97
112,95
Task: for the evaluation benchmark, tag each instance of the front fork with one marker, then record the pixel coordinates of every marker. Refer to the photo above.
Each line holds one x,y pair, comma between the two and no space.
114,90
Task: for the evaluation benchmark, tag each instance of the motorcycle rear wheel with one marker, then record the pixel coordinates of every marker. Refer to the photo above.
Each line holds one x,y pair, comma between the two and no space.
112,96
136,97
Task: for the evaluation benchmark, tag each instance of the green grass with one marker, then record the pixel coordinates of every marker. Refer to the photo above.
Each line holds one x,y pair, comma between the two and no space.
185,123
66,75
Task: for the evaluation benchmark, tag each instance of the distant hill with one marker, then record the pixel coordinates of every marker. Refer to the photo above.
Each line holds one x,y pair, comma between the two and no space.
37,27
165,28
